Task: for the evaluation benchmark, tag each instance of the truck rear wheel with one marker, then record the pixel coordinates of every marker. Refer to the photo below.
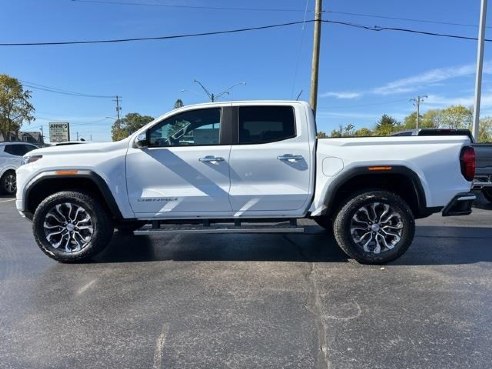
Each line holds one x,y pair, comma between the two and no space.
71,226
374,227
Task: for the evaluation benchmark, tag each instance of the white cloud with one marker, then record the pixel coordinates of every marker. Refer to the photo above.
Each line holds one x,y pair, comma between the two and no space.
326,113
431,78
424,79
442,101
342,95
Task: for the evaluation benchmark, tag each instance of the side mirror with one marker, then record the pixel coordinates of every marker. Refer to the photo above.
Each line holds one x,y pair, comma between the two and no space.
141,141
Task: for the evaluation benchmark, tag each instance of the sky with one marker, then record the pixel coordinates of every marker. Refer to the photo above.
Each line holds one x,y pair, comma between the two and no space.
363,73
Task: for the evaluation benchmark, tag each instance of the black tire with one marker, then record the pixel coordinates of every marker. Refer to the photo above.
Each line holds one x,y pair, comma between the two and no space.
487,193
75,219
324,222
374,227
8,184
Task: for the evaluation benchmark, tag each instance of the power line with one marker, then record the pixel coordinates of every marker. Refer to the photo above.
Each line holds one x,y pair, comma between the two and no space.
55,43
301,45
56,90
72,122
240,30
415,20
355,14
132,3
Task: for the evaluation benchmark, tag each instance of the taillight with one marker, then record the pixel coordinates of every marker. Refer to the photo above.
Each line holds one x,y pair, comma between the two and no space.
467,161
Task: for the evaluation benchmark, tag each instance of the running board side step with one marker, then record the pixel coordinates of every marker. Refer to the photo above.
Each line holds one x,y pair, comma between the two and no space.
221,226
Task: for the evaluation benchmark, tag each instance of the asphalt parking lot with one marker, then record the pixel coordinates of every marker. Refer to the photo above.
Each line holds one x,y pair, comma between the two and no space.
249,301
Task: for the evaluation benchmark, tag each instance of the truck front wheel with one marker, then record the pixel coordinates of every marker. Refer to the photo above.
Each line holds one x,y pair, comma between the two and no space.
374,227
71,226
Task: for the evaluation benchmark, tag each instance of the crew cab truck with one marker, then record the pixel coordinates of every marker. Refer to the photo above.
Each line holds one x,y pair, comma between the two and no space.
238,163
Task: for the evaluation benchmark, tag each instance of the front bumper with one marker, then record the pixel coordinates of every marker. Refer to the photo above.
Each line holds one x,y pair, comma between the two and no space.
461,204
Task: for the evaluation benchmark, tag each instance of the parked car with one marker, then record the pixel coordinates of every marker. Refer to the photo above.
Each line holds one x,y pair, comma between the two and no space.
10,159
483,153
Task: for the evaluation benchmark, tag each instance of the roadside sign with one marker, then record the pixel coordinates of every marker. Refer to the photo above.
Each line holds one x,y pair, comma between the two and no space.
59,131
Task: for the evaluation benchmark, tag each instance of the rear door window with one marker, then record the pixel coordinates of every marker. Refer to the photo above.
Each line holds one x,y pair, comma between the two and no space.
263,124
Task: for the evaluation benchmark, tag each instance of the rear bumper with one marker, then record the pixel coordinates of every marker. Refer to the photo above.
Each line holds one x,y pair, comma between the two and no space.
481,181
461,204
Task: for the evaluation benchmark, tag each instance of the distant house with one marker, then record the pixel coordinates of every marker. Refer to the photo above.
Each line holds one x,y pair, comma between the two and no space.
35,138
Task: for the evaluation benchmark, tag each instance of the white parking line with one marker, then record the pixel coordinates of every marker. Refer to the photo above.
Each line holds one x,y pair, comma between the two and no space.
159,347
85,287
7,200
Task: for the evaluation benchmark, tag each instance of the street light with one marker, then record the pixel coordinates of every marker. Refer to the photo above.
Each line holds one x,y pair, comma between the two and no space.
213,97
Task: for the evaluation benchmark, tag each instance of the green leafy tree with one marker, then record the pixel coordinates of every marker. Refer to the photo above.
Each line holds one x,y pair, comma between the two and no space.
410,121
485,130
363,132
456,116
343,131
337,133
428,120
15,107
178,104
321,134
386,126
130,123
432,118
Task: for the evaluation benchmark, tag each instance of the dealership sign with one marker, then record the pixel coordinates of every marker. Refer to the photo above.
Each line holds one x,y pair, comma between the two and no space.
59,132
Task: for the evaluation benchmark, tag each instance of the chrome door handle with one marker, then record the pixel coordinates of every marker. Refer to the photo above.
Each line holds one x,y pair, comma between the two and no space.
211,159
290,158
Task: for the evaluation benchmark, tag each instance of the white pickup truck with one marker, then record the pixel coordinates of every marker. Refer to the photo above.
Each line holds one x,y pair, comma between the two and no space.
220,166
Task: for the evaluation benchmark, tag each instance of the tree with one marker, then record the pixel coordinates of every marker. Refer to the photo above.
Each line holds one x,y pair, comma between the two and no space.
343,131
429,120
321,134
178,104
432,118
410,121
456,116
386,126
337,133
15,107
130,123
485,130
363,132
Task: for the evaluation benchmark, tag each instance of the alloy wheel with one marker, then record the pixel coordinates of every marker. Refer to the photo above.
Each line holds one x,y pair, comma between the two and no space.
68,227
376,227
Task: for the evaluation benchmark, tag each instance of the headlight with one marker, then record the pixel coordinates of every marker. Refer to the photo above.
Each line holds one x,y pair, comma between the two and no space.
31,159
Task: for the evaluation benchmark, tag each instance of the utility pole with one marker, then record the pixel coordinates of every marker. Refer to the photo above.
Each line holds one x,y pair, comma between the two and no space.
213,97
478,76
416,102
316,47
117,99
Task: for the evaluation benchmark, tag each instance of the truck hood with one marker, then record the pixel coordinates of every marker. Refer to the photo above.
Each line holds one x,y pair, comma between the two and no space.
100,147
